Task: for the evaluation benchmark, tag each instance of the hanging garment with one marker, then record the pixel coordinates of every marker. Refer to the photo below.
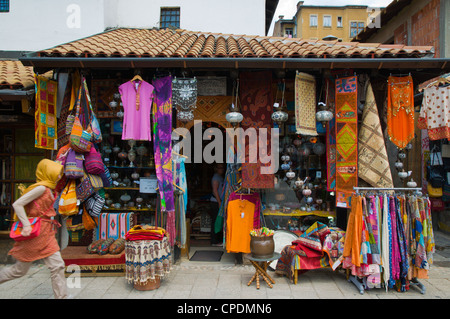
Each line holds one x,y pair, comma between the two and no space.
435,112
256,107
45,113
253,198
373,162
346,140
162,135
305,104
240,215
352,246
400,110
385,240
137,103
179,179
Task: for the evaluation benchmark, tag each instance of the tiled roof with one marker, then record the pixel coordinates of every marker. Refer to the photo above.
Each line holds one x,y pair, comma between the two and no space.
124,42
14,75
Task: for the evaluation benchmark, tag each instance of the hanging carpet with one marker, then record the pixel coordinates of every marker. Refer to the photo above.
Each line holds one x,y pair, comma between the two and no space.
305,104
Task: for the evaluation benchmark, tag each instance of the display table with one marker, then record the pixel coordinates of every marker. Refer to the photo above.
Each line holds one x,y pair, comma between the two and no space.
260,265
146,261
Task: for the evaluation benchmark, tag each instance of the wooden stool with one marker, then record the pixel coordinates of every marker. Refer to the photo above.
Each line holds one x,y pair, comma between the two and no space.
260,265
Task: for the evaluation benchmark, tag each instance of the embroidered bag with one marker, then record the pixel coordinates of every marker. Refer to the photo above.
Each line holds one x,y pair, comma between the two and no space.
434,191
84,188
94,204
74,165
96,181
94,124
106,177
68,204
80,138
93,162
17,227
88,221
61,157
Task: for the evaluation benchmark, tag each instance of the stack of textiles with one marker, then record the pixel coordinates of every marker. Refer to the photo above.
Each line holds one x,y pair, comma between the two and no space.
389,240
145,232
318,247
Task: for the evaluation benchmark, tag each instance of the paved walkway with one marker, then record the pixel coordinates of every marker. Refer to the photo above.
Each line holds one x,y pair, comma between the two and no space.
224,280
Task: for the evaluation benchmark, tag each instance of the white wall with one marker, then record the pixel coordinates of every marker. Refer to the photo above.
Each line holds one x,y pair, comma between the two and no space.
33,25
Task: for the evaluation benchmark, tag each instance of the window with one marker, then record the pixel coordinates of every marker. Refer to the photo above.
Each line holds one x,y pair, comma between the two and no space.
289,32
170,17
339,22
327,21
356,28
4,5
313,20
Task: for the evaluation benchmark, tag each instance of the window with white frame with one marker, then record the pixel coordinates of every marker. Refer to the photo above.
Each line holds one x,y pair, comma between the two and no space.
313,20
327,21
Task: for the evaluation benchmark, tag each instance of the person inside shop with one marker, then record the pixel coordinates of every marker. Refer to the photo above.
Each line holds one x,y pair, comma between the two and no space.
37,201
217,186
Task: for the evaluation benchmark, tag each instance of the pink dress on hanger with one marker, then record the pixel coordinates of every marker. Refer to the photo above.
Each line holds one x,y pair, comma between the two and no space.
137,105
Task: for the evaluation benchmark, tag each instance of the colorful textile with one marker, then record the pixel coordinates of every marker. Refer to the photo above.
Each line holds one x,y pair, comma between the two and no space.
63,138
45,122
239,224
305,104
162,136
256,107
253,198
435,112
113,225
352,247
145,232
346,139
137,102
147,259
400,110
373,162
331,155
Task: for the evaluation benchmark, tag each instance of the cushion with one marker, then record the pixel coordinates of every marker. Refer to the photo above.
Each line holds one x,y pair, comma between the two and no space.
117,246
95,246
104,247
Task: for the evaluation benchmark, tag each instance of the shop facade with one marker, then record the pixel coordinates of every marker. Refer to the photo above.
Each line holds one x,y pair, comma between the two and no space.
316,95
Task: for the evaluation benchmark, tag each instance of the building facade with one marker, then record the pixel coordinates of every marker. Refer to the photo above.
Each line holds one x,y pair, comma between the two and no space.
340,23
67,20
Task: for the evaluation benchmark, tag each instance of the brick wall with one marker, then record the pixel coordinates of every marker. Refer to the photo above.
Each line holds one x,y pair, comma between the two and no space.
401,34
425,26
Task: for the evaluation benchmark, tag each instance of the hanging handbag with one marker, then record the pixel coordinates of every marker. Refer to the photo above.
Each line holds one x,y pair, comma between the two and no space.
84,188
93,162
80,138
96,181
17,227
68,203
434,191
94,124
73,168
106,177
94,204
61,157
435,170
88,221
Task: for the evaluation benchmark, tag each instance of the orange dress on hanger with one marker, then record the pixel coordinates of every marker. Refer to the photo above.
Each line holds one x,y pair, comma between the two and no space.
240,214
400,110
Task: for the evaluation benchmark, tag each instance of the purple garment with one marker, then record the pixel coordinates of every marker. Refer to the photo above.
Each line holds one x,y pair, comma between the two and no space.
137,106
396,259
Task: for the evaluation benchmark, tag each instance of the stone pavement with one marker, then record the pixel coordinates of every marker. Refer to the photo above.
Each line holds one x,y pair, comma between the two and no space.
190,280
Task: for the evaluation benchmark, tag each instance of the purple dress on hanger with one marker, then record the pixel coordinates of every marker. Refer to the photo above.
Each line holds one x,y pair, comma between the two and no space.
137,105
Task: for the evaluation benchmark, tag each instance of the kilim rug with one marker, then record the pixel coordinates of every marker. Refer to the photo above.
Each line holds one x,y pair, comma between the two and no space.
113,225
305,104
346,139
256,107
373,163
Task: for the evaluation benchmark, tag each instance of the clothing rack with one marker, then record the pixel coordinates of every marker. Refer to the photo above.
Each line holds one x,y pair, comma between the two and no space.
351,278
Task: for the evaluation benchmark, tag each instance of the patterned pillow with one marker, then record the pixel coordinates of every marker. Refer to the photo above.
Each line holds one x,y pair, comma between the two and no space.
117,247
95,246
104,247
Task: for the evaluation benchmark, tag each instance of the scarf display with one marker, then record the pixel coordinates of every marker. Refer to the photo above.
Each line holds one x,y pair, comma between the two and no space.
400,110
256,107
435,112
181,199
147,259
346,139
46,125
162,137
389,239
373,163
305,104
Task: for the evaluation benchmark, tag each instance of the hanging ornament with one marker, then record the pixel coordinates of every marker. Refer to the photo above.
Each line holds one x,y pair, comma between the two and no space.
411,183
280,116
290,174
234,117
324,116
184,97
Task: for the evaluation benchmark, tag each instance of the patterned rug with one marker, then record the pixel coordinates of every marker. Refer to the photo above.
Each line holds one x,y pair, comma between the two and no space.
305,104
346,139
256,107
114,225
373,163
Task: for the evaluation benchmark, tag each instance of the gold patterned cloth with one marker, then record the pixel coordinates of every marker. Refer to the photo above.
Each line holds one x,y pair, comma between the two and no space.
305,104
373,163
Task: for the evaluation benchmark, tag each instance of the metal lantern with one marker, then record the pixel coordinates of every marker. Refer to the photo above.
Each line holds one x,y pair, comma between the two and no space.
279,117
290,174
324,115
184,92
185,116
234,118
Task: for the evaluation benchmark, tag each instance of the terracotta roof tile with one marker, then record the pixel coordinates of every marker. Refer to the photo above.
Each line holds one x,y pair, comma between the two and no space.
14,75
182,43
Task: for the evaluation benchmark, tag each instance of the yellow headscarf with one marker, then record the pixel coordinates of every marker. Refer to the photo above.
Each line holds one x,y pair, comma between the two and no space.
48,174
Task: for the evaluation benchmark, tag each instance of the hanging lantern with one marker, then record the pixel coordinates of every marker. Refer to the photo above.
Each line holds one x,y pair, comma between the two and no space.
279,117
323,115
411,183
234,118
290,174
185,116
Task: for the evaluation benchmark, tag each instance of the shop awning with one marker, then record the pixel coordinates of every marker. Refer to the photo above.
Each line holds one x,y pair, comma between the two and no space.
152,48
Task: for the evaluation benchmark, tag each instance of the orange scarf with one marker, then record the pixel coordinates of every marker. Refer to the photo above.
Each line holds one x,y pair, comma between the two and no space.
400,110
